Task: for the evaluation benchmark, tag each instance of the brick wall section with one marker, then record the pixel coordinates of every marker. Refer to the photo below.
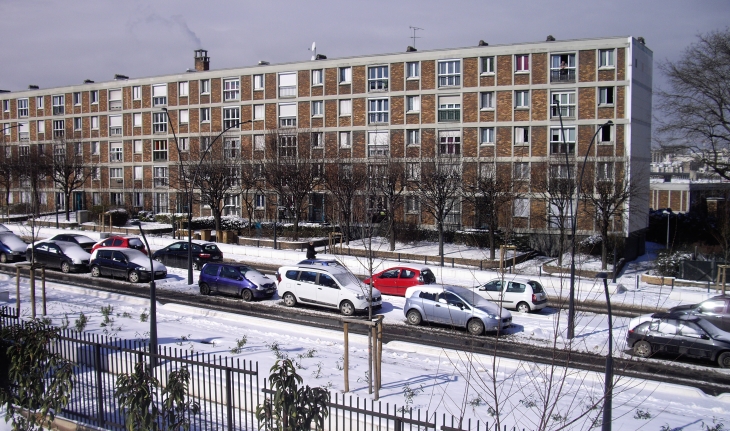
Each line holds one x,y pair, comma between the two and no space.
586,103
303,85
522,78
470,142
215,91
620,141
471,72
345,121
539,105
303,115
522,115
358,80
605,112
621,102
504,141
359,142
359,112
521,151
428,109
396,76
585,134
413,118
428,75
428,143
504,106
604,150
317,90
397,143
487,80
258,95
330,143
330,81
606,75
504,70
587,65
539,68
270,116
345,89
246,86
413,151
413,84
172,94
270,86
621,64
396,110
486,115
487,151
330,113
538,214
470,110
216,118
539,141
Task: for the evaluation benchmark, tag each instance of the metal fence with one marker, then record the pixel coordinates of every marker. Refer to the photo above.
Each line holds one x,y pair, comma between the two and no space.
227,390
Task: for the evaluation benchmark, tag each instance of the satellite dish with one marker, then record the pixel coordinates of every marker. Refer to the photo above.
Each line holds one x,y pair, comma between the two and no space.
314,51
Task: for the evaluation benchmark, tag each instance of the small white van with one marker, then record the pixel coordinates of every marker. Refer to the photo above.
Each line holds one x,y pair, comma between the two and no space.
517,293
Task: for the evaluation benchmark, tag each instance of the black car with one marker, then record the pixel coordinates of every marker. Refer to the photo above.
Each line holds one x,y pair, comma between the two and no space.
68,256
84,241
680,335
176,254
124,263
715,310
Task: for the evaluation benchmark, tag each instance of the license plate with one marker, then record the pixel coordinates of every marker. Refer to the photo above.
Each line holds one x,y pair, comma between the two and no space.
215,257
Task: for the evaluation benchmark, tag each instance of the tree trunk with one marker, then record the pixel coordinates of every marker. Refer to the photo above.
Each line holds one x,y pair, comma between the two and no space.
441,241
391,234
217,216
68,209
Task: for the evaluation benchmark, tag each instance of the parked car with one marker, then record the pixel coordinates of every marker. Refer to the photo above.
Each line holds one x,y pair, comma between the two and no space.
521,294
12,248
176,254
325,286
325,262
126,263
84,241
4,228
68,256
680,335
121,241
235,279
456,306
395,281
715,310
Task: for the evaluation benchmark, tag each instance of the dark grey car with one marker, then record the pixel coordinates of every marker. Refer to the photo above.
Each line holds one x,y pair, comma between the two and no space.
715,310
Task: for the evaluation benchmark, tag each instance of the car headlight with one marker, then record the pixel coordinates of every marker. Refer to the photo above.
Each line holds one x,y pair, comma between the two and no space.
492,316
360,296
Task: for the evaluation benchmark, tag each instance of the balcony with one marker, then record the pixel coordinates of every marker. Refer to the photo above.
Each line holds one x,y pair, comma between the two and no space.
562,148
565,111
115,105
58,110
115,131
288,91
377,85
562,75
159,156
116,157
159,101
287,122
449,115
160,182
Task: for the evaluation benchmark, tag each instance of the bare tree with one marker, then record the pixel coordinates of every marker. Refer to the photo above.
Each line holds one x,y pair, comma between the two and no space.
8,170
392,190
70,172
696,105
250,186
345,180
556,185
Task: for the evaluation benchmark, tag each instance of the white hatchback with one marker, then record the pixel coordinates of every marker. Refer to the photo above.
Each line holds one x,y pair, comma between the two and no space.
521,294
325,286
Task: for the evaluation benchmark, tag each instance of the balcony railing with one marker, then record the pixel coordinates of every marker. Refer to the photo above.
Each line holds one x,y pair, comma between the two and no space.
562,148
160,182
159,156
378,85
288,91
565,111
24,136
449,115
562,75
116,157
115,105
115,131
58,110
287,122
159,101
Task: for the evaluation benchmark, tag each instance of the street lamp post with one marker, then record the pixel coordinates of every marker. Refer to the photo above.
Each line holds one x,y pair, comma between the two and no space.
608,378
668,212
189,188
153,301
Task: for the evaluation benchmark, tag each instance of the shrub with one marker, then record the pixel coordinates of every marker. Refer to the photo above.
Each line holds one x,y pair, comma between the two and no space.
667,263
119,216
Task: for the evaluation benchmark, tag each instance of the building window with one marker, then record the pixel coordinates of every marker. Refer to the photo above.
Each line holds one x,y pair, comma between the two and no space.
605,95
95,148
231,148
258,82
204,143
562,172
58,128
116,152
450,142
231,89
412,204
521,171
205,86
287,115
115,125
183,89
378,78
23,132
115,100
116,174
521,208
96,196
486,100
160,202
486,136
258,142
137,92
345,75
565,101
606,135
317,108
138,199
345,107
604,171
413,171
79,149
605,58
522,99
449,108
561,143
159,151
562,68
41,125
22,108
288,84
345,140
287,146
137,119
449,73
77,98
378,144
231,117
487,64
137,146
522,135
413,70
94,97
317,77
159,122
522,63
116,198
24,150
6,105
378,111
183,144
487,170
77,123
413,103
317,140
94,123
260,201
413,137
39,102
184,116
159,95
58,105
205,115
258,112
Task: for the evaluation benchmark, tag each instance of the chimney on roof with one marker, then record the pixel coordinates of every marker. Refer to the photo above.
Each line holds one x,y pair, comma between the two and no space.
202,61
4,91
263,63
33,87
641,40
118,77
483,43
550,38
88,81
411,49
320,57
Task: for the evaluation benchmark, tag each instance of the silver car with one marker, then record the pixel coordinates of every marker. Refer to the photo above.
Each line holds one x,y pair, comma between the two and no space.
457,306
521,294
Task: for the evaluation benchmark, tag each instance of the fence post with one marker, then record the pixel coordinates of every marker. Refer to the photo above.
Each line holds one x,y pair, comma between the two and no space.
229,401
99,388
452,262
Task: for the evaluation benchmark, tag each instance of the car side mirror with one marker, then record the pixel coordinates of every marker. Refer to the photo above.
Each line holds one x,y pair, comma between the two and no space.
482,288
239,278
442,301
704,337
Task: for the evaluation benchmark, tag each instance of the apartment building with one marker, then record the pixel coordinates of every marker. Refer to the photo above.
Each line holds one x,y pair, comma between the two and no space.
498,104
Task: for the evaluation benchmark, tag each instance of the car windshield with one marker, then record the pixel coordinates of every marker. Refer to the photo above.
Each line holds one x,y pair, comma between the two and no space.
346,278
711,329
243,269
536,287
470,297
210,248
81,239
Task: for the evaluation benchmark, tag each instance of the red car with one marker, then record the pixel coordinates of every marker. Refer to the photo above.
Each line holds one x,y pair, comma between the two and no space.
121,241
395,281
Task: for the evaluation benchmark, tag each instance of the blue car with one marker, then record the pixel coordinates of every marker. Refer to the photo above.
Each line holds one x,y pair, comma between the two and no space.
11,247
235,279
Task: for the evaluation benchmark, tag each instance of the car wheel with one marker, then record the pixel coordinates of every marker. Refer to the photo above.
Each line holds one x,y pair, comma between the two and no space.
414,317
204,289
95,271
475,327
246,295
65,267
196,266
642,349
347,308
3,258
133,276
724,359
289,299
522,307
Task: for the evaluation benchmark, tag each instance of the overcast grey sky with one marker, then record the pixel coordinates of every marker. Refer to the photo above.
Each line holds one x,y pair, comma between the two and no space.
54,43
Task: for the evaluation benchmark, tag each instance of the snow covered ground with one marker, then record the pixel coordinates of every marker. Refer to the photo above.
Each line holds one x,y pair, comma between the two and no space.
452,382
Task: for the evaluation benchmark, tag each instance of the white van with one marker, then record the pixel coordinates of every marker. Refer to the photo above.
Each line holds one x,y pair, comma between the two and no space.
517,293
325,286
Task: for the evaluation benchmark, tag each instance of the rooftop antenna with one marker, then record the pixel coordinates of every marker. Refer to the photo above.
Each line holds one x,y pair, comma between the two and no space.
314,50
414,37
